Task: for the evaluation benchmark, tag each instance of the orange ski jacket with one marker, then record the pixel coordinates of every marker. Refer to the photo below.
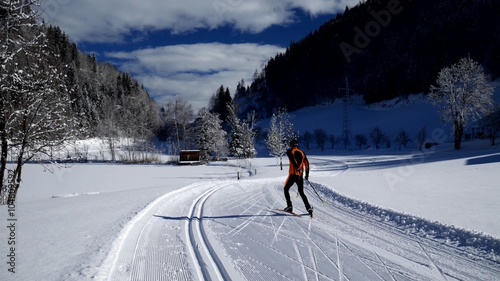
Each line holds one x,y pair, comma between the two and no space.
298,162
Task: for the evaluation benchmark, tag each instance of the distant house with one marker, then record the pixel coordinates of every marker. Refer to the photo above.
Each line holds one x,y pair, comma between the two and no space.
189,157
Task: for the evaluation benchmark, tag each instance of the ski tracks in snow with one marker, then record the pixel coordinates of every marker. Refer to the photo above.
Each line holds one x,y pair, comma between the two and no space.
223,231
167,241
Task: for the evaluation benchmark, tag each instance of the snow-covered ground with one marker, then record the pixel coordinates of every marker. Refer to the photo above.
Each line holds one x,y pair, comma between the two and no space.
388,215
164,222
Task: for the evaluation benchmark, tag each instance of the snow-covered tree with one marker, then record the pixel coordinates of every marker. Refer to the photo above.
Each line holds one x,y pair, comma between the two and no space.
211,137
35,106
463,94
218,104
242,135
279,135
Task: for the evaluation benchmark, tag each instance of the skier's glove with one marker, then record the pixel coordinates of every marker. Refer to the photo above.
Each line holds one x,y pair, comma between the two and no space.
307,177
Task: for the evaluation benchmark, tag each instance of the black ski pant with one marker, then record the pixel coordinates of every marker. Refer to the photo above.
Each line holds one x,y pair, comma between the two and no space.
300,183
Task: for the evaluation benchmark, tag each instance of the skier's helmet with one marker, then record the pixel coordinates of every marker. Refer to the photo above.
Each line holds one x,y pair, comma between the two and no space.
294,142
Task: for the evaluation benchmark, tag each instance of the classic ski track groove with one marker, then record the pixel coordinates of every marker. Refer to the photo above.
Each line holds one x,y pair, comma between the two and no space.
123,252
140,251
197,237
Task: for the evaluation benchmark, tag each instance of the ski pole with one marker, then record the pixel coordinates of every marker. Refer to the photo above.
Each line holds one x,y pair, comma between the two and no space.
322,201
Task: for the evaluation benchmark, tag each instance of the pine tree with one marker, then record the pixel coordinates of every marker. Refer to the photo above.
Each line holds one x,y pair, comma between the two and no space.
219,101
242,135
211,137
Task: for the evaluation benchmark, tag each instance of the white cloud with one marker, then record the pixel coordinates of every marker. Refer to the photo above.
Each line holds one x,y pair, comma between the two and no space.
106,21
191,71
194,72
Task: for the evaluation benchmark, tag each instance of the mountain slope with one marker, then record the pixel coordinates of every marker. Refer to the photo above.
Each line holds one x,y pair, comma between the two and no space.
385,48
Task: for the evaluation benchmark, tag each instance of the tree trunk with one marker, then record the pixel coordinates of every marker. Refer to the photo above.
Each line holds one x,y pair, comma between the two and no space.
16,179
14,186
3,162
15,182
459,132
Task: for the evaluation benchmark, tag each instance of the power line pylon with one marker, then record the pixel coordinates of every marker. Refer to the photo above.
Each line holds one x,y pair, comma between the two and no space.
346,126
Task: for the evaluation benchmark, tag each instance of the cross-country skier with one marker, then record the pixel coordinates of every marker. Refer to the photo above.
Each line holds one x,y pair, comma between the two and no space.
298,165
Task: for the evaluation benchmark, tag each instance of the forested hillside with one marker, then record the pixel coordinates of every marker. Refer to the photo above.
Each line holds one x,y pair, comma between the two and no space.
386,48
112,102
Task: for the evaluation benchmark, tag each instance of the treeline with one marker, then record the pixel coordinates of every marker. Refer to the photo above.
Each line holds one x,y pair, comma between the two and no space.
112,103
216,130
376,138
51,95
386,48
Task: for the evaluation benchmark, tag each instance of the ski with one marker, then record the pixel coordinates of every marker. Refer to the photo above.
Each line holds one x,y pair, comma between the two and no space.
281,212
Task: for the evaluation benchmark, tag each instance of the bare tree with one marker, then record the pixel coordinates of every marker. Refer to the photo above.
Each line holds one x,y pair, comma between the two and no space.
361,140
35,106
420,137
402,138
320,138
178,115
492,124
140,120
307,137
108,128
333,140
377,137
463,94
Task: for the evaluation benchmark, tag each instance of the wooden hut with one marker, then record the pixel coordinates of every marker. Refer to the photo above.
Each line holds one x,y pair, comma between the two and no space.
189,157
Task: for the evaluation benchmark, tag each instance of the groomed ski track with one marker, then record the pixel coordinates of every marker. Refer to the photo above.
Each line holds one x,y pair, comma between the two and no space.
222,230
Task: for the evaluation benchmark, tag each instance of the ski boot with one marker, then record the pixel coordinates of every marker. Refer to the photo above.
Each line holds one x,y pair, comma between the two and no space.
310,211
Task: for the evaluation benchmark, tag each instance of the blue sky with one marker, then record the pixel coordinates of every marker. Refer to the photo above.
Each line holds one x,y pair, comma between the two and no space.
188,48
